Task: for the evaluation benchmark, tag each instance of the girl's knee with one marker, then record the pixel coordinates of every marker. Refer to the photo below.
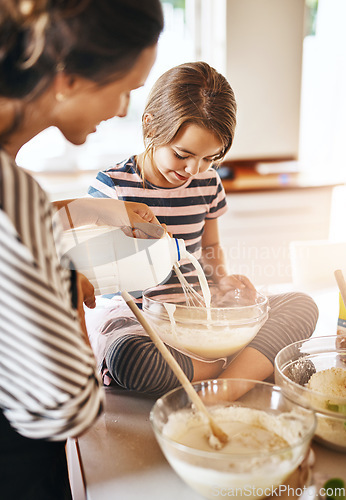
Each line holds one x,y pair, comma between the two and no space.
135,364
309,305
124,360
295,304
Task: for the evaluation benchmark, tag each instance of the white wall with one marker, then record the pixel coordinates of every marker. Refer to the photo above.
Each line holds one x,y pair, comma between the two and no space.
258,45
264,64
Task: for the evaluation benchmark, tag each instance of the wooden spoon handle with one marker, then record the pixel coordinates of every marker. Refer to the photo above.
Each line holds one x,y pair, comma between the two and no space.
177,370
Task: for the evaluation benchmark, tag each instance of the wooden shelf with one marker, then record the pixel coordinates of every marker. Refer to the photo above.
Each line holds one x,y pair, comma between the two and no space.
246,179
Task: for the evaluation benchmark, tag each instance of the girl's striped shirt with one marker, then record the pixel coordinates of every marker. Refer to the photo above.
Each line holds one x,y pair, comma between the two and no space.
183,209
49,386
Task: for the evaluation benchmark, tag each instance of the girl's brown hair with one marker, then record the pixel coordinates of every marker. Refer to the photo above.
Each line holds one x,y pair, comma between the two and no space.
191,93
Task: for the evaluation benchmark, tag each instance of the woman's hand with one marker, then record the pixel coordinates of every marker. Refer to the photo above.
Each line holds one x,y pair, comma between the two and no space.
141,222
86,291
106,212
86,295
140,212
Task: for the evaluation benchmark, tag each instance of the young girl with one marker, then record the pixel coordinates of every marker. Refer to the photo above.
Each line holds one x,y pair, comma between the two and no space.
188,127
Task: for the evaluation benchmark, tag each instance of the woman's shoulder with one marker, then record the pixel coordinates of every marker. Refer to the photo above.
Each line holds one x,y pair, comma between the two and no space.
16,181
27,208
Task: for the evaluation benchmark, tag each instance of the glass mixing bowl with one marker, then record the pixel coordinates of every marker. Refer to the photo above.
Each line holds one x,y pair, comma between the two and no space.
252,464
232,321
294,367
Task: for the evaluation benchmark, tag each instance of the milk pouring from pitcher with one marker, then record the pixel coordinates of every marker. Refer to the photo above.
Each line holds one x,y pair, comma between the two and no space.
113,260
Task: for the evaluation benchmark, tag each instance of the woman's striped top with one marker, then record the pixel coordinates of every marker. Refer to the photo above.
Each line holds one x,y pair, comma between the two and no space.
183,209
49,386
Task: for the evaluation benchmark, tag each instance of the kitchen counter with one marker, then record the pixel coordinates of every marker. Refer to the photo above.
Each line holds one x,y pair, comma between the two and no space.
121,459
119,455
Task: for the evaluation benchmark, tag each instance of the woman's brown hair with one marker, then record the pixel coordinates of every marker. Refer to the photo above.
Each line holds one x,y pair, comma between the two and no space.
191,93
95,39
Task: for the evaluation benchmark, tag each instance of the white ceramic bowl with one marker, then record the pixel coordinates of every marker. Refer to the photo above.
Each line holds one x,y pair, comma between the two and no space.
296,364
229,325
237,469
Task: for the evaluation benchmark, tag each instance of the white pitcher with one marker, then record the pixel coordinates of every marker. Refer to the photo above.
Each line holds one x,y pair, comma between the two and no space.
115,261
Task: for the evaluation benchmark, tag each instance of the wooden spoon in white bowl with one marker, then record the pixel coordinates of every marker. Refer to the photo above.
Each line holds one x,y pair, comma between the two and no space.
219,438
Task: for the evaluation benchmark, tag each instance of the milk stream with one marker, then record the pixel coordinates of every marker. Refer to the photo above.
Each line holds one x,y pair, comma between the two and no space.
202,280
188,289
170,309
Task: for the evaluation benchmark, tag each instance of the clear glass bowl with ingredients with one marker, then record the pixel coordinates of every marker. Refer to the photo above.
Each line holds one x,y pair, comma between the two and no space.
232,321
313,373
269,438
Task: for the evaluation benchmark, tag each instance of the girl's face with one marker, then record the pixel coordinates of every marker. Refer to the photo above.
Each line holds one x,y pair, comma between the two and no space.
85,104
193,151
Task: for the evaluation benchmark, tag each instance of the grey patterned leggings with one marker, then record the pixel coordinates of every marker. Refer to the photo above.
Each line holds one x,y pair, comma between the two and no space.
134,362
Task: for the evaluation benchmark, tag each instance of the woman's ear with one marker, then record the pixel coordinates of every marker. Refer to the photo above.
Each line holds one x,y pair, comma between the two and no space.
61,87
66,85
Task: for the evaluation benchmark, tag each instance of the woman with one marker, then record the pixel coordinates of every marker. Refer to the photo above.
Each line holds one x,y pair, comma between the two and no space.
69,64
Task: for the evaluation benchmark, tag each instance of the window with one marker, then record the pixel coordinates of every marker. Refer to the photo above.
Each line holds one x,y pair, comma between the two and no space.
323,108
197,29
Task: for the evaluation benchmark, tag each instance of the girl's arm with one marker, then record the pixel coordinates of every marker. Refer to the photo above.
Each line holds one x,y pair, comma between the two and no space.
214,260
249,363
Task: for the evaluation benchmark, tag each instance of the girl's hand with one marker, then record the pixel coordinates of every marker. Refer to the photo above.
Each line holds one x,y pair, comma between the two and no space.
234,281
225,294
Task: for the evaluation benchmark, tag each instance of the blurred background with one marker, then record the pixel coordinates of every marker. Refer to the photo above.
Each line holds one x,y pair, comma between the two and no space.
286,61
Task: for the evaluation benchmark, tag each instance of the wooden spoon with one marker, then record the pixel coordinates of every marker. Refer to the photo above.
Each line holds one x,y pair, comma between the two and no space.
218,433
